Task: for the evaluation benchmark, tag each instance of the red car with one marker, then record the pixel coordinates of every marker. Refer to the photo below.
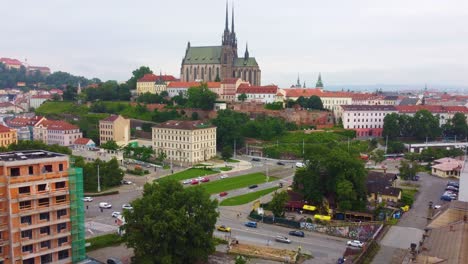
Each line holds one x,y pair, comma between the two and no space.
194,182
223,194
204,179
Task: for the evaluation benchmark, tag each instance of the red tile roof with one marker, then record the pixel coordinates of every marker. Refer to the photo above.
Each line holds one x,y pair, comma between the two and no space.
38,68
81,141
58,125
248,89
431,108
111,118
56,91
192,84
9,61
149,77
308,92
4,129
369,108
24,121
230,81
41,96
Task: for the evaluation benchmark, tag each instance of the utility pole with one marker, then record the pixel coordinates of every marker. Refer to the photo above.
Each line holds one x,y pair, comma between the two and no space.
98,180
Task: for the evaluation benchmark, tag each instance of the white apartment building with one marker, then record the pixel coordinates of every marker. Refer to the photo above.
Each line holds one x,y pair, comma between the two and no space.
56,132
264,94
366,120
188,142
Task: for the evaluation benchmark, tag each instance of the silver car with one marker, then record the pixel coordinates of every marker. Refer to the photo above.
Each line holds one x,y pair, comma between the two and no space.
283,239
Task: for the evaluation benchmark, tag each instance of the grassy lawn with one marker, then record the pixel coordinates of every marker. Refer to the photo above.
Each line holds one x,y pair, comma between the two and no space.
246,198
232,160
225,168
235,182
50,108
190,173
104,241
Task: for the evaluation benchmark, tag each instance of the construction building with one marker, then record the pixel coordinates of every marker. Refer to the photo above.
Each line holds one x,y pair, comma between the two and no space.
41,208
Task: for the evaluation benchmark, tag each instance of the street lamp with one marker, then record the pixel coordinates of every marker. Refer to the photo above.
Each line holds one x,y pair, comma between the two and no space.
98,180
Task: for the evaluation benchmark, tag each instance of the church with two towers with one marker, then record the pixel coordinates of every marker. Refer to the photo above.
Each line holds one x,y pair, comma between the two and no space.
218,63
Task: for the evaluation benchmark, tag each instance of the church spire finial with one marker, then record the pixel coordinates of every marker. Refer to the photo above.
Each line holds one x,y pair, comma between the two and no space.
298,84
232,19
226,28
246,55
319,81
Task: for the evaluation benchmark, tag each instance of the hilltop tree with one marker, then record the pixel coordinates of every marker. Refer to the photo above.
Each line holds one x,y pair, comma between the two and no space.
457,126
314,102
201,97
426,125
226,153
171,224
391,126
278,202
242,97
137,74
377,156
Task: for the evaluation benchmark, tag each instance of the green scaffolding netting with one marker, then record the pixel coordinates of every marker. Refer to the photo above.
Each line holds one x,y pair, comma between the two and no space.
75,177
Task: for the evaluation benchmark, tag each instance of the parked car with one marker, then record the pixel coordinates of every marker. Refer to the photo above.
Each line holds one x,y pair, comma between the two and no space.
114,261
450,193
105,205
296,233
223,228
355,243
253,186
437,206
255,159
223,194
341,261
116,214
415,178
451,188
300,165
127,207
187,181
204,179
446,198
251,224
224,176
194,182
87,199
280,163
283,239
127,182
454,184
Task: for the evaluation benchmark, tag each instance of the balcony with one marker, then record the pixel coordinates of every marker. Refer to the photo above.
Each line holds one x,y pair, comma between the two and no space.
43,194
43,252
52,236
37,210
49,223
38,177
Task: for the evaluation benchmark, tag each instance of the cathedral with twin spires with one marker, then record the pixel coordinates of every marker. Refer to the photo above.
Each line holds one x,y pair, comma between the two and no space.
218,63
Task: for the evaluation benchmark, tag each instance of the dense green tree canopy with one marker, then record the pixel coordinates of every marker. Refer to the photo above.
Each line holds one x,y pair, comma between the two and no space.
110,173
150,98
426,125
242,97
226,153
457,126
422,125
278,203
201,97
109,91
171,224
332,173
137,74
391,127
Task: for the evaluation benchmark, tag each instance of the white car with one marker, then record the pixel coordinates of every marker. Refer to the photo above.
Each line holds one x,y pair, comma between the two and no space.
224,176
300,165
355,243
116,214
188,181
437,206
105,205
87,199
127,207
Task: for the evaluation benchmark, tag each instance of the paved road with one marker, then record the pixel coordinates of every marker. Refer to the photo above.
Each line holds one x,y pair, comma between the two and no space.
324,249
411,225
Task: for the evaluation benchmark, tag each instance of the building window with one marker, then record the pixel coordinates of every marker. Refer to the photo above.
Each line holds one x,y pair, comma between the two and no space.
41,187
62,240
25,189
44,202
31,170
25,205
26,220
46,258
60,167
60,199
44,230
61,212
45,244
59,185
14,171
26,234
28,248
61,226
47,168
63,254
44,216
28,261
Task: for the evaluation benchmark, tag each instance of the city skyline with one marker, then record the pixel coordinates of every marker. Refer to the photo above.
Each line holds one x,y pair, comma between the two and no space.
359,43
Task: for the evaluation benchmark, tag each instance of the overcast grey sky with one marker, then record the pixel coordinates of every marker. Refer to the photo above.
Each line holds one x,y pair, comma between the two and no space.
350,42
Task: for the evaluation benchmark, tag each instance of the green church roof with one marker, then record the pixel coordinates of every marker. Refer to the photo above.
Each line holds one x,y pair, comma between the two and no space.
241,62
201,55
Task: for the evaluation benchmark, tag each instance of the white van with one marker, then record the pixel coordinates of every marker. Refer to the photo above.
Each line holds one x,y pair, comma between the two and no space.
105,205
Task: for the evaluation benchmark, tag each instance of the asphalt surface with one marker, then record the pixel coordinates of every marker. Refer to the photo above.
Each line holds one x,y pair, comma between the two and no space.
410,227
